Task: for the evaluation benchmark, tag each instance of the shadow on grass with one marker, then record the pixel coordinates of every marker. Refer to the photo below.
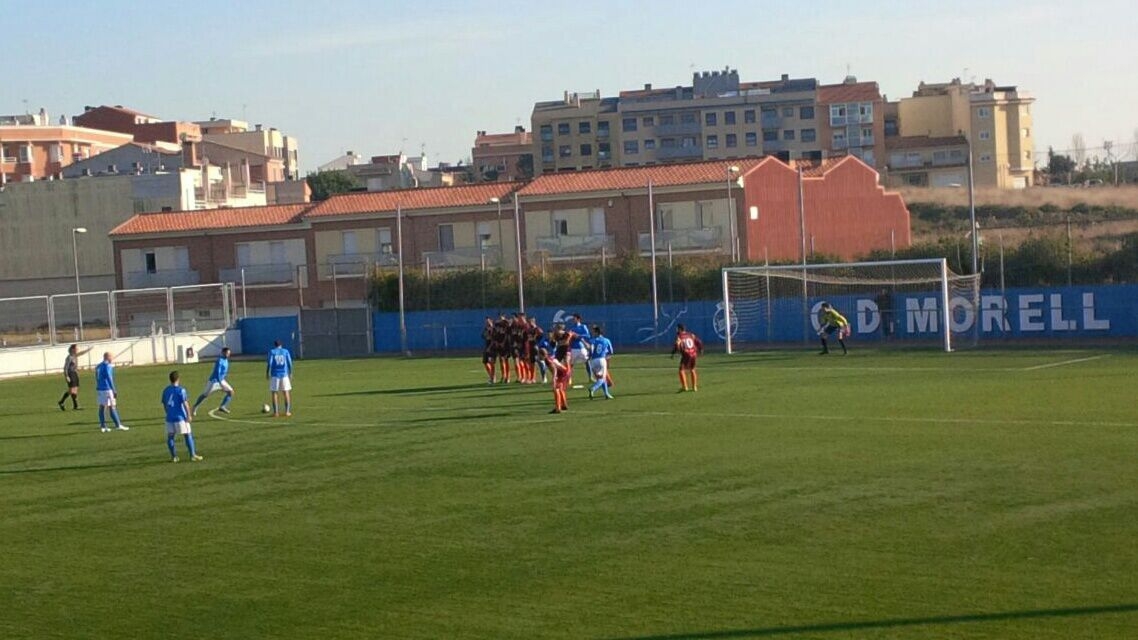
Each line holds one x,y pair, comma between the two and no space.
462,418
52,434
80,467
837,627
388,392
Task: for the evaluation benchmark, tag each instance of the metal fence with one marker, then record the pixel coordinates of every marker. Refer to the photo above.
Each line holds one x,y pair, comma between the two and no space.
105,315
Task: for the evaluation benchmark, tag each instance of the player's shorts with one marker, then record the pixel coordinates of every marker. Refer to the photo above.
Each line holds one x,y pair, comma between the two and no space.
107,399
599,367
829,329
487,356
579,354
179,428
72,380
687,361
214,385
282,383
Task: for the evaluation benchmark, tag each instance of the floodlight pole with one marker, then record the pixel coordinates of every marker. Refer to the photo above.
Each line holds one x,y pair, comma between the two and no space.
972,212
402,309
518,251
75,231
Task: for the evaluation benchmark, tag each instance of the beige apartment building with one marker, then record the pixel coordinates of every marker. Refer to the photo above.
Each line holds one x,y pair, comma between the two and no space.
995,120
503,157
580,131
270,142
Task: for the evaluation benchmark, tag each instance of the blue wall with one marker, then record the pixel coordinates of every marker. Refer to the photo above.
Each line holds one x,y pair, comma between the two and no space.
258,334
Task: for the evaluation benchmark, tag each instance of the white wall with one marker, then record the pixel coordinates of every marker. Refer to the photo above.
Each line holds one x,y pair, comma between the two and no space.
157,349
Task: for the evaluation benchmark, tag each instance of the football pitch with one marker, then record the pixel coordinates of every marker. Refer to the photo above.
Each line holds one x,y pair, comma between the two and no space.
983,494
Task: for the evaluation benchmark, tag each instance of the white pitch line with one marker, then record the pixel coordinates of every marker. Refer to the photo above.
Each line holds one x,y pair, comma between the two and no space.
1064,363
521,419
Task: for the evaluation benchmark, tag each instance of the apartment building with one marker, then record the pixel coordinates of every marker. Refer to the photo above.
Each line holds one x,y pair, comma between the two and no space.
503,157
270,142
994,120
926,161
41,151
852,121
144,128
580,131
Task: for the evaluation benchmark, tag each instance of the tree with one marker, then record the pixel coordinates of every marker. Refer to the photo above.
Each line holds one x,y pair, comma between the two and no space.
1059,166
1079,150
324,184
525,163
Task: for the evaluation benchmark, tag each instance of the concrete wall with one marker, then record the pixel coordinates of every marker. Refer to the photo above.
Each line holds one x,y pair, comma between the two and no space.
130,351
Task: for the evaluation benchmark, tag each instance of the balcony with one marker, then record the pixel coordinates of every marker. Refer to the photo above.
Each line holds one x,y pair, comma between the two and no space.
464,257
672,153
695,239
284,274
846,143
574,246
841,121
163,278
681,129
770,121
603,134
355,265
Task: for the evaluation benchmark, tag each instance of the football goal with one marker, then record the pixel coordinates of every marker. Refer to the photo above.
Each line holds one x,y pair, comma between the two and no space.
896,302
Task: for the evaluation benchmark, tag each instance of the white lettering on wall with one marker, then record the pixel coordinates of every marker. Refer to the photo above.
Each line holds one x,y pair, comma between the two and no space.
921,315
1090,322
994,313
963,321
1031,317
1057,321
868,316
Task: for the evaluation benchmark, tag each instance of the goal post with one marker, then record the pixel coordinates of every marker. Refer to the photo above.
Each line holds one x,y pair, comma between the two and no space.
888,303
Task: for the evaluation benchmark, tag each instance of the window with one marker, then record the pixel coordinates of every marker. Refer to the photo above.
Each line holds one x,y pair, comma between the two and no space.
603,129
752,139
839,138
837,111
628,124
1025,132
788,112
55,154
151,262
668,143
749,116
560,227
584,127
604,150
985,157
732,140
865,110
770,135
687,118
710,119
687,142
244,254
788,134
665,219
891,128
446,237
563,129
348,242
712,142
565,151
26,153
984,112
484,235
985,135
383,240
649,144
586,150
546,153
940,156
867,133
632,147
597,221
728,117
808,135
648,121
668,119
806,113
277,253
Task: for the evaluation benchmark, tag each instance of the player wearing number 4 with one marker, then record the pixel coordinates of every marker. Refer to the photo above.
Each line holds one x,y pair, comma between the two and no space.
178,416
279,372
832,322
689,347
217,382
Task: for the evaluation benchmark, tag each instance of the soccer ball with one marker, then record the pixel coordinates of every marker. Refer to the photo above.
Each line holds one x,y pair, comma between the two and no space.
266,408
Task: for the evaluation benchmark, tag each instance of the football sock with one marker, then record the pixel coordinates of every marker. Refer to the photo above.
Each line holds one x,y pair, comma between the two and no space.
115,417
190,444
170,446
198,402
288,406
64,396
74,400
843,343
226,399
102,417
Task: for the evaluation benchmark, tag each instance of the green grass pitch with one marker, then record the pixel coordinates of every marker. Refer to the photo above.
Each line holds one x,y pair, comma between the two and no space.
985,494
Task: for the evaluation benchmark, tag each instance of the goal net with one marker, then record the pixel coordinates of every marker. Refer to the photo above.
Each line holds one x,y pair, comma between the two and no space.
897,302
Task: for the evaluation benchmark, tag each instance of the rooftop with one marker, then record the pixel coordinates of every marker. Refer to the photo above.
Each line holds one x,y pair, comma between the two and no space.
210,219
848,92
410,199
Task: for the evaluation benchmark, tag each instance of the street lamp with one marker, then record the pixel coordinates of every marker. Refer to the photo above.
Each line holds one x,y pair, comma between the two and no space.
731,172
501,238
518,251
75,231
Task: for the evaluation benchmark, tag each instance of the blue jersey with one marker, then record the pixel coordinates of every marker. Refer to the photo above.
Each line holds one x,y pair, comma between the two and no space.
105,376
582,335
601,347
174,399
220,370
280,362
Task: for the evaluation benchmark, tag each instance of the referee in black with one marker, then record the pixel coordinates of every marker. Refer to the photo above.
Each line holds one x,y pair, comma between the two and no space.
71,374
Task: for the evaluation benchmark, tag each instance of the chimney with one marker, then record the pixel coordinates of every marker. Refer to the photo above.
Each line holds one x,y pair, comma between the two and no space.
785,77
647,86
519,129
257,127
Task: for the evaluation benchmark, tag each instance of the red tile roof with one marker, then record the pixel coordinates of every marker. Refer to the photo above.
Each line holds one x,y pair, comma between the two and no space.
210,219
688,173
853,92
410,199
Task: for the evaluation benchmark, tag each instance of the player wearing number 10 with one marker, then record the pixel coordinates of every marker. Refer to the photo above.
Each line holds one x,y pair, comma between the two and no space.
176,402
689,346
279,372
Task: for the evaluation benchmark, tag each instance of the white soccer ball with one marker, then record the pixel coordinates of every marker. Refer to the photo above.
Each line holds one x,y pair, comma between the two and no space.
266,408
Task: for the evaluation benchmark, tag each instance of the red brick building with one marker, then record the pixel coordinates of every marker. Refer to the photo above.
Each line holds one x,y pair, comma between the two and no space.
145,128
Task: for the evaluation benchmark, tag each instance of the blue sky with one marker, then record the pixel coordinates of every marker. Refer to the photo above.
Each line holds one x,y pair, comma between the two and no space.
378,76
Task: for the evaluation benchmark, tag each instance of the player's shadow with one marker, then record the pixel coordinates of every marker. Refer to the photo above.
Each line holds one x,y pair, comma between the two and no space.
408,390
52,434
81,467
893,623
462,418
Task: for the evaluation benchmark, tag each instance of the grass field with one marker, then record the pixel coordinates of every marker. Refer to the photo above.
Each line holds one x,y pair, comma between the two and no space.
880,495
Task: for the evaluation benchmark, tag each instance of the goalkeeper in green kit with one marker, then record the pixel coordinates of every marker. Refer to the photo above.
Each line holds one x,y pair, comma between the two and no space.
831,321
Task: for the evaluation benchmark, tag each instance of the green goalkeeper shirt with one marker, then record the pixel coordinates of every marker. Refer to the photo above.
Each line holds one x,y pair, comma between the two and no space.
831,318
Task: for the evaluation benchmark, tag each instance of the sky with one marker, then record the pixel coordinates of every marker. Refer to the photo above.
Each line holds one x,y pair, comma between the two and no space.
376,77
